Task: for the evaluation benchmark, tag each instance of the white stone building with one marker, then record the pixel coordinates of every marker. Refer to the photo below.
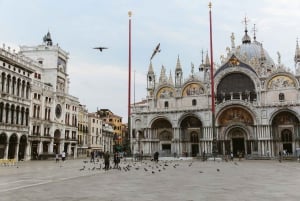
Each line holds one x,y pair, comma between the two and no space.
15,100
54,112
108,138
257,106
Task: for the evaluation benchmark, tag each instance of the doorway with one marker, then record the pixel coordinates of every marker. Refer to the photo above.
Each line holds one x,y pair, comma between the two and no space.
288,148
195,150
238,145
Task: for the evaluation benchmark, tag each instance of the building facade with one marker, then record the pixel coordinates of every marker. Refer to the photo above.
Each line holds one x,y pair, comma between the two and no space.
15,102
38,115
95,136
257,106
108,138
83,131
115,121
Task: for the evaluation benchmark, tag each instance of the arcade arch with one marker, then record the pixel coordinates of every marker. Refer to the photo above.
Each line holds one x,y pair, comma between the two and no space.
162,132
286,131
190,133
235,124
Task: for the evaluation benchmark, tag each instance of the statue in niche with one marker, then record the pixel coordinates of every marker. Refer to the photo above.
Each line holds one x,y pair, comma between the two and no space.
232,40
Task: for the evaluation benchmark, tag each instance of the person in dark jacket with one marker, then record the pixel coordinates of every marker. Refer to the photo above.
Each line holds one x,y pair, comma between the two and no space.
106,161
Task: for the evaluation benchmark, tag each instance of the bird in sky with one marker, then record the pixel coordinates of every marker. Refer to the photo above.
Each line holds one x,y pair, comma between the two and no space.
100,48
156,50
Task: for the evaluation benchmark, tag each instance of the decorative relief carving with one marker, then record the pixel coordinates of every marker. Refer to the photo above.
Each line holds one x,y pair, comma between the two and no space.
193,90
281,81
235,115
165,92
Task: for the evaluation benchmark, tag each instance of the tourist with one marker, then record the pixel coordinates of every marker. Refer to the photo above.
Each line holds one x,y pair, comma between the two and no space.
56,157
106,161
156,154
280,156
63,156
116,160
231,156
92,156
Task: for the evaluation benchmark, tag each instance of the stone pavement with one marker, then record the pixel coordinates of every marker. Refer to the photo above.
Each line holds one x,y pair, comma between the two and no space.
180,180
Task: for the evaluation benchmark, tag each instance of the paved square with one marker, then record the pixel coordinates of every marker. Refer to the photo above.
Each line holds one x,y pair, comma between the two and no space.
182,180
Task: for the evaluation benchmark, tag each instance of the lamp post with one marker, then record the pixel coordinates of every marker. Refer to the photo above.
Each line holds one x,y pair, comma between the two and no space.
129,77
214,143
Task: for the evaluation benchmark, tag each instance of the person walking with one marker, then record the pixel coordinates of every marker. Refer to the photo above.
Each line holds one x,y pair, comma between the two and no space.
56,157
116,160
280,156
63,156
92,156
231,156
106,161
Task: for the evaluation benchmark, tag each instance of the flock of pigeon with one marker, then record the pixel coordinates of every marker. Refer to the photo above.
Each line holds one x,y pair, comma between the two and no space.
145,165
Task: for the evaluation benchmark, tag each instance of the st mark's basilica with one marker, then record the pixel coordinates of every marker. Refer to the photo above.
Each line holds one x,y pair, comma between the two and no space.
256,106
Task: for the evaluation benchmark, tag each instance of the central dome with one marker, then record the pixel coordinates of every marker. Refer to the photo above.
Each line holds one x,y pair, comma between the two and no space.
254,53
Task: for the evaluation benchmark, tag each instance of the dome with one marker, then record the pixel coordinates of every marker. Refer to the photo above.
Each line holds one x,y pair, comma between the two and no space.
254,53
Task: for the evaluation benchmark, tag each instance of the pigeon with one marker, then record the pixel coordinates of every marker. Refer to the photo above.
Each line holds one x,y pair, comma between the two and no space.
200,172
153,172
218,170
145,169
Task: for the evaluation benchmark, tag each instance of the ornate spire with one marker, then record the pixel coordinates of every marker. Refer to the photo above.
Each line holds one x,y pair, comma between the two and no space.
297,52
207,62
192,69
162,77
150,69
262,58
232,40
246,38
178,65
47,39
254,32
170,78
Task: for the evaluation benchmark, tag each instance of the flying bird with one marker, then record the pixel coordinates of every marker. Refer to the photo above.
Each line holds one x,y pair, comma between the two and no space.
100,48
156,50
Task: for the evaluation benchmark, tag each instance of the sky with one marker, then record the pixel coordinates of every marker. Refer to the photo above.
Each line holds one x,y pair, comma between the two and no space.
100,79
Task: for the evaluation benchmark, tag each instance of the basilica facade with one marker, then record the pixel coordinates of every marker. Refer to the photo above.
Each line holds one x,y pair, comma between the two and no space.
256,106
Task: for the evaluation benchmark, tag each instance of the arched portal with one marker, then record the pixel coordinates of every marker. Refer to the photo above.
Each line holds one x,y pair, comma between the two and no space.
13,141
237,137
162,131
231,121
3,144
285,132
191,131
22,147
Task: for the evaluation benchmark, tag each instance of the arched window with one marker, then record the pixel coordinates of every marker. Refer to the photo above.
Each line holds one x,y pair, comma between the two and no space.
194,137
166,104
286,135
194,102
281,97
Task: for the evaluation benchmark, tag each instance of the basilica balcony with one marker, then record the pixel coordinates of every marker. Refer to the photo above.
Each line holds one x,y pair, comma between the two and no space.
282,103
170,109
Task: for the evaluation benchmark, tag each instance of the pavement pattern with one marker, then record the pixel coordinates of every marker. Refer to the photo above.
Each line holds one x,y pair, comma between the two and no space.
169,179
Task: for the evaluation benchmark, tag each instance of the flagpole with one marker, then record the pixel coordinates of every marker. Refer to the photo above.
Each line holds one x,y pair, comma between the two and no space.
129,77
214,148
